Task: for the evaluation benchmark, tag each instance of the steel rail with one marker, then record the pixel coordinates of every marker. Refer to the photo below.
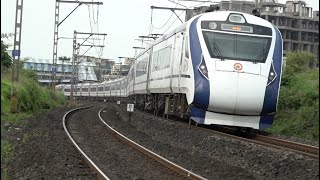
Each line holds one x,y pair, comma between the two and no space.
92,165
176,168
305,149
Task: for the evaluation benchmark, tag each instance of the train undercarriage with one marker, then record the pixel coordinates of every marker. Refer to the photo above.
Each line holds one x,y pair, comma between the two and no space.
158,104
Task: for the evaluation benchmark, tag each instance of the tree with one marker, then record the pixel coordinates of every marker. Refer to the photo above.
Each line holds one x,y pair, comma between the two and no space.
6,60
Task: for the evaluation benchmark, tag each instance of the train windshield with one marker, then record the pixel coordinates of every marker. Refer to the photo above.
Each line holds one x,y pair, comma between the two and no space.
237,47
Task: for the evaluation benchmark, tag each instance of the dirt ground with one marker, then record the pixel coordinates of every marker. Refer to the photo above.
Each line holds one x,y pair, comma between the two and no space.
43,150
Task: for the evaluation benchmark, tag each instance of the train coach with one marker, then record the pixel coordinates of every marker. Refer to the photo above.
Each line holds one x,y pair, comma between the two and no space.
221,67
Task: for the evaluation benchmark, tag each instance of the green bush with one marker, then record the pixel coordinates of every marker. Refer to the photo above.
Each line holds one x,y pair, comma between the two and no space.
300,60
5,96
31,96
298,105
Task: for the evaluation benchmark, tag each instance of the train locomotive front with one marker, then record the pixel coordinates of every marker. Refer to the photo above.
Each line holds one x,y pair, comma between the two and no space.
237,66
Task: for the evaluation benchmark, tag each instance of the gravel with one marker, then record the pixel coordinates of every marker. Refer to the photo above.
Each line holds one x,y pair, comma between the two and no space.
43,150
210,155
115,158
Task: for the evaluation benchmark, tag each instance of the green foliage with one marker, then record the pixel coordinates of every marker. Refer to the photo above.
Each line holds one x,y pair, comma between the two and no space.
26,137
298,108
296,62
29,74
299,61
6,60
31,96
5,96
6,153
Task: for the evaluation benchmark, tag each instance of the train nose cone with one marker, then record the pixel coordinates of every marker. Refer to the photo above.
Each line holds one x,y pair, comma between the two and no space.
236,93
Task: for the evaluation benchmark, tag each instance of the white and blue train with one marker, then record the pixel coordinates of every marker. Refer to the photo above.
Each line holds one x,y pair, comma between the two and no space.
221,67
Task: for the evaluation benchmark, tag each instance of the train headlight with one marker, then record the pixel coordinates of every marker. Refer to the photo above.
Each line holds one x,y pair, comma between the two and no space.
203,68
236,18
272,75
212,25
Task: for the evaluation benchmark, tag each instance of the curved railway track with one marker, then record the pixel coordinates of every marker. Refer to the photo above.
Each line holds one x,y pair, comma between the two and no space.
155,157
180,170
92,165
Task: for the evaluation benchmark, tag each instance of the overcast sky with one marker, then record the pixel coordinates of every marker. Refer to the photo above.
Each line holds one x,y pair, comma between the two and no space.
122,20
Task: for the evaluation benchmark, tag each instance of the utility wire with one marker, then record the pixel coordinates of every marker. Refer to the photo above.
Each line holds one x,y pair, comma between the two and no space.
172,23
166,21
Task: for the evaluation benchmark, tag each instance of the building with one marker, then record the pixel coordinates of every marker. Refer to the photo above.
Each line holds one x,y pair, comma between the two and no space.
298,24
103,66
119,69
44,68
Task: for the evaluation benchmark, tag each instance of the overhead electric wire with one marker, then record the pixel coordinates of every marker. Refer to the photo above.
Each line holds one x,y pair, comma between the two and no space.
172,23
92,28
166,21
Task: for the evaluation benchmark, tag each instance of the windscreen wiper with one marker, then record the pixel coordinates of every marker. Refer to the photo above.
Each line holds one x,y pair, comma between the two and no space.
217,51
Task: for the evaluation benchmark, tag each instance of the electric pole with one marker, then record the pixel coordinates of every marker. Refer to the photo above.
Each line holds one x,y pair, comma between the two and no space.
16,56
76,58
55,35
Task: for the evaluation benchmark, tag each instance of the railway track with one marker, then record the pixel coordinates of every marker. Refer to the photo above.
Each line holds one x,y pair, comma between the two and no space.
92,165
305,149
166,164
310,151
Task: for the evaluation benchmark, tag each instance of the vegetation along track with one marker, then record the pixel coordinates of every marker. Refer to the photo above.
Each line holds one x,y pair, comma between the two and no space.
107,155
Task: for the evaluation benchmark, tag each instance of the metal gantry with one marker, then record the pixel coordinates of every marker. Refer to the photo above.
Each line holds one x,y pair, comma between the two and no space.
55,37
76,57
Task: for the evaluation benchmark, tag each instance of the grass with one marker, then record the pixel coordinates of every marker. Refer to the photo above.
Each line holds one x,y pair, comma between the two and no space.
16,118
32,99
27,137
298,108
6,153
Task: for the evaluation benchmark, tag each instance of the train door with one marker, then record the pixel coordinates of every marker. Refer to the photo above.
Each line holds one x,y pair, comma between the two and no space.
176,60
149,69
182,53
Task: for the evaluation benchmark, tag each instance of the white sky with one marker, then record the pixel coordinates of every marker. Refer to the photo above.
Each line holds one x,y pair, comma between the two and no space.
122,20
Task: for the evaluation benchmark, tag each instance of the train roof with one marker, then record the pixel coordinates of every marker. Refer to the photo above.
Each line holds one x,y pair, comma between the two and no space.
164,37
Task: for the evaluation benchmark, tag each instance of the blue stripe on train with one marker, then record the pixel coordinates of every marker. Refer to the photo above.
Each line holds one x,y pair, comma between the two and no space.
202,87
271,95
